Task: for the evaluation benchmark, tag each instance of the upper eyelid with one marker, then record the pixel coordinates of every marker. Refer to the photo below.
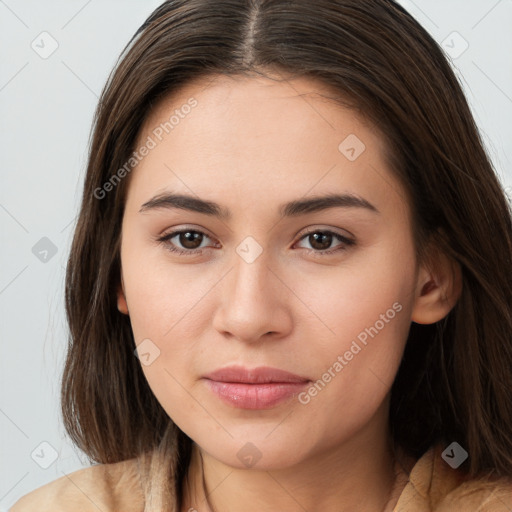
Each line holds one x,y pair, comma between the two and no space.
177,231
314,229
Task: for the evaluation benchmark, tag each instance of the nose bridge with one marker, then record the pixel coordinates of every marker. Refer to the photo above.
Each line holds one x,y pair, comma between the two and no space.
250,276
251,304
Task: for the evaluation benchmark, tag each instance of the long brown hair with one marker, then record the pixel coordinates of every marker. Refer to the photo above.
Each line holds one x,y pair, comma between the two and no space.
454,383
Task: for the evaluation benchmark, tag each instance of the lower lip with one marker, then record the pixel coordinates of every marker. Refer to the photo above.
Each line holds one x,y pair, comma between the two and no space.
255,396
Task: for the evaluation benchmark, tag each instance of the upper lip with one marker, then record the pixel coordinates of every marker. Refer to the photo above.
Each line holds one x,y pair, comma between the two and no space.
260,375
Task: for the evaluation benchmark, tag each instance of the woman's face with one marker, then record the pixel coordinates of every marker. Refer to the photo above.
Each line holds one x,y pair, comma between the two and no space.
273,274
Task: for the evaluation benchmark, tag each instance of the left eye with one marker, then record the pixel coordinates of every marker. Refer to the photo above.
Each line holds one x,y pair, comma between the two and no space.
320,241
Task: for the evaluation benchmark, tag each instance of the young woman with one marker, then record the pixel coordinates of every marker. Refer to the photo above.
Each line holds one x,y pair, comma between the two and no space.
290,282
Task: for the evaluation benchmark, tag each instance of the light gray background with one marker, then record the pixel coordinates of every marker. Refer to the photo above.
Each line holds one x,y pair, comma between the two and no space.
46,109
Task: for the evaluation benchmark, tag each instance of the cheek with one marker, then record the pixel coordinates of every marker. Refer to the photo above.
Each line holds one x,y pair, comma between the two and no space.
168,309
167,315
342,302
164,298
363,316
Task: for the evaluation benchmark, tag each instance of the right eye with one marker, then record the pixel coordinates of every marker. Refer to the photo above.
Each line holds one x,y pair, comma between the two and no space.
189,239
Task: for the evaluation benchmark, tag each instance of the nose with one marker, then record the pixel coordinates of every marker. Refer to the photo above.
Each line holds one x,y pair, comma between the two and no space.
254,304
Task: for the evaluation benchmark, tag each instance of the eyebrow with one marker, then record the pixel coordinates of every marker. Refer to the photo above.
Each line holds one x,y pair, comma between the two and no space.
290,209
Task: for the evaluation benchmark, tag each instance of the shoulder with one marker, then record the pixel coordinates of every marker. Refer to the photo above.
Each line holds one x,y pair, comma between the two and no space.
479,495
434,486
105,487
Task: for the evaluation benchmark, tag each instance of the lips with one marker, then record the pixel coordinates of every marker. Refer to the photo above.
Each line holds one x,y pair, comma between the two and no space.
261,375
258,388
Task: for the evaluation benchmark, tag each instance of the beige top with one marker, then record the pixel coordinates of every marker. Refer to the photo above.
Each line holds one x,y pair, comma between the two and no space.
431,486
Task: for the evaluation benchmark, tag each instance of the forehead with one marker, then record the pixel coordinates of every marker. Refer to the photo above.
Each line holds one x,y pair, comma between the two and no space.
255,136
258,104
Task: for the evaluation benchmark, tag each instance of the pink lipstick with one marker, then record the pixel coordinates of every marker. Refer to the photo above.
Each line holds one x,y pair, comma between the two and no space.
257,388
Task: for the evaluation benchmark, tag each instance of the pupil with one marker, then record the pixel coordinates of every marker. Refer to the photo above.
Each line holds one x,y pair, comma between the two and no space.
189,239
320,241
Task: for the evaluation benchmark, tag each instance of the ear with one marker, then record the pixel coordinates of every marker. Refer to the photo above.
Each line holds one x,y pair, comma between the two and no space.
122,305
438,288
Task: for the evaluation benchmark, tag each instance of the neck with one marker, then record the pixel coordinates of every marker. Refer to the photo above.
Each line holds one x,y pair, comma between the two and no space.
360,475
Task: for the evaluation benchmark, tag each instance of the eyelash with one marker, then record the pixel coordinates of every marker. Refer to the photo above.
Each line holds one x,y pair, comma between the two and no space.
346,242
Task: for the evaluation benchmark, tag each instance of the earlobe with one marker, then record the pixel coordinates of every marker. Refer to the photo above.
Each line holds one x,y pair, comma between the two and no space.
439,287
122,305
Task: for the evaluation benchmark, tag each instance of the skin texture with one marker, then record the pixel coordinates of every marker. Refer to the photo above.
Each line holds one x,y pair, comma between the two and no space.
250,145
